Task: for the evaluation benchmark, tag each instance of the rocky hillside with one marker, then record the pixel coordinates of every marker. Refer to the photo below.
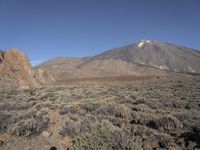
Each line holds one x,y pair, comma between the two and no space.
155,54
143,58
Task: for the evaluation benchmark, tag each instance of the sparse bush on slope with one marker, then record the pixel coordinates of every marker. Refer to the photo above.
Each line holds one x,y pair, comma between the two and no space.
25,125
31,126
166,123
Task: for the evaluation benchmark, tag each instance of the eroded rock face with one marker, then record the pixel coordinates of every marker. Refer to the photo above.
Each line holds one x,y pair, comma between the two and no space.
43,75
16,68
1,56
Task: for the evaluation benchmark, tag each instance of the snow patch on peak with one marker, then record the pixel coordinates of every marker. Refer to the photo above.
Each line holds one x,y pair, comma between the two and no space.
140,44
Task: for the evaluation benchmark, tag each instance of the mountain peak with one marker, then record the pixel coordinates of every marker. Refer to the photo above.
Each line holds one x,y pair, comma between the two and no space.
149,57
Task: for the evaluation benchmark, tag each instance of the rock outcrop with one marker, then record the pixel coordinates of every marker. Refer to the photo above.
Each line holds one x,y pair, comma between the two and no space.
16,70
43,75
1,56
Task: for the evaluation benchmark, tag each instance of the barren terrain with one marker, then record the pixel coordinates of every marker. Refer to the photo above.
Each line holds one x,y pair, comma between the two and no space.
120,113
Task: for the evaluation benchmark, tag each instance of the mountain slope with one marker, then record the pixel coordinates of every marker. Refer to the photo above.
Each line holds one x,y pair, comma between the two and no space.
156,54
143,58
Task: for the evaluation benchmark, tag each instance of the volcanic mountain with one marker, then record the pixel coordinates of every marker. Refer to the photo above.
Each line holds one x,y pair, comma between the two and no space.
143,58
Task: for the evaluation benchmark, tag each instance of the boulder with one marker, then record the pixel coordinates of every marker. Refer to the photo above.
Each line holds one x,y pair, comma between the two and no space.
46,134
4,137
66,143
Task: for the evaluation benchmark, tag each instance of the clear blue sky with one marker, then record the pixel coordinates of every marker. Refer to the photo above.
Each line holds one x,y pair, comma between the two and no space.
49,28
